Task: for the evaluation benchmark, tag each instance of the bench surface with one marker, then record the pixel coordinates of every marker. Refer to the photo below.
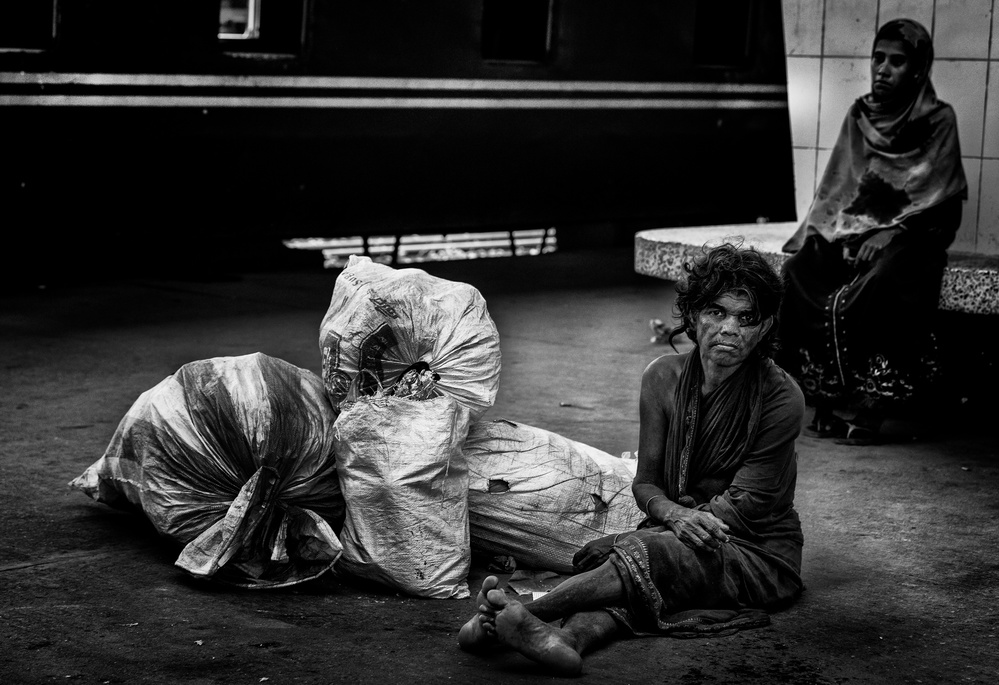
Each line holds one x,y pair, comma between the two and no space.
970,282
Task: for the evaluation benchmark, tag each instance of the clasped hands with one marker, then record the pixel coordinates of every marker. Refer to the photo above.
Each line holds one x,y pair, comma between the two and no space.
699,530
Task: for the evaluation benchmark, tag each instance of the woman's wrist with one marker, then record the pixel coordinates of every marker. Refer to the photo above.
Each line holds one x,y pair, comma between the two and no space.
658,508
648,503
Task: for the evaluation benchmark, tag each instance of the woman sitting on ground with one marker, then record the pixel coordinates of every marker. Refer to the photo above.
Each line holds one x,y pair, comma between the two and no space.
864,280
716,475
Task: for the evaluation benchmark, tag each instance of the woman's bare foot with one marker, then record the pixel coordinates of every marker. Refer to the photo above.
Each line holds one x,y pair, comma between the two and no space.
518,629
480,630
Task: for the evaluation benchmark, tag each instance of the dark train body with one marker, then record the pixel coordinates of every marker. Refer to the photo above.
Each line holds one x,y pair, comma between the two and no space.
140,126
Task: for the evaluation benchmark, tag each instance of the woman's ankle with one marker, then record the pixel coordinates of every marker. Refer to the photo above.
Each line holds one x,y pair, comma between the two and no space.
869,419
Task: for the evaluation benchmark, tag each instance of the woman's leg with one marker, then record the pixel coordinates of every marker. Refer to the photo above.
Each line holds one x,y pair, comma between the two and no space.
825,423
886,322
559,649
591,629
589,591
812,276
525,627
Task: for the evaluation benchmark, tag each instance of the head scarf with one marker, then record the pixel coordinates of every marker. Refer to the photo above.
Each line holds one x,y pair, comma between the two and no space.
918,98
893,159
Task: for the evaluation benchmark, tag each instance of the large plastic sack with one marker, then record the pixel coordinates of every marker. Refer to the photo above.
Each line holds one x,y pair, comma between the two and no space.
233,458
385,320
538,497
405,484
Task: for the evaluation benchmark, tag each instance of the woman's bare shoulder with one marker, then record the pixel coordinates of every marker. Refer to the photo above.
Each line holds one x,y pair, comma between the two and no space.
665,369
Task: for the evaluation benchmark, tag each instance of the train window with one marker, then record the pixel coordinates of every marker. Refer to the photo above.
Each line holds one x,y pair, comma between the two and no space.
27,24
262,26
239,19
516,30
722,33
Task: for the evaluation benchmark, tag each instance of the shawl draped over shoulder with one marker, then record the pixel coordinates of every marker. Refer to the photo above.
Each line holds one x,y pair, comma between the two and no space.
891,161
707,441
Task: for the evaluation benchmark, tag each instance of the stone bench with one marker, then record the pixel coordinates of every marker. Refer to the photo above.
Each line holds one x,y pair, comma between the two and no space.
970,282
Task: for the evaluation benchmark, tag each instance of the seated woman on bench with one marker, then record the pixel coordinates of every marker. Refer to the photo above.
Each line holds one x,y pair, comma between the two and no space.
864,280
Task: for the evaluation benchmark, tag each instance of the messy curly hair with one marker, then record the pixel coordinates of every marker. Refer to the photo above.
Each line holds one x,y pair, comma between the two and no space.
724,269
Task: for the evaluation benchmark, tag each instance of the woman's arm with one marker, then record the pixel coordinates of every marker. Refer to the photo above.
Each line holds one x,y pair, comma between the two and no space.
761,484
658,382
940,222
937,224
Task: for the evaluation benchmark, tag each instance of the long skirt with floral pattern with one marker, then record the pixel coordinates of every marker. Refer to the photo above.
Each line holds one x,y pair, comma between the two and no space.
862,332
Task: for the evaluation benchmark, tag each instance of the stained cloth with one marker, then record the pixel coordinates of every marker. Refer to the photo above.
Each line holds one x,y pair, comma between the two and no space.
896,165
892,160
738,462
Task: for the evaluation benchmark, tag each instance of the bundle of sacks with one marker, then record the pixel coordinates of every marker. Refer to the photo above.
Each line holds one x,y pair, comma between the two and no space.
410,359
382,469
231,458
428,481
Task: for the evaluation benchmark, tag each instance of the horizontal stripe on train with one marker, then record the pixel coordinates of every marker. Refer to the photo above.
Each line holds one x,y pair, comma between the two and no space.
382,93
251,101
366,83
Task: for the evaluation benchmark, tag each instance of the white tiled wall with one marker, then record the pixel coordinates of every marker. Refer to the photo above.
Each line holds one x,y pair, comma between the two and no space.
920,10
990,144
803,74
994,51
967,236
803,28
962,84
844,79
804,175
962,28
989,208
828,46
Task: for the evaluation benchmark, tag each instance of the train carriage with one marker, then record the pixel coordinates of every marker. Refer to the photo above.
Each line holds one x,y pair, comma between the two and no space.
182,128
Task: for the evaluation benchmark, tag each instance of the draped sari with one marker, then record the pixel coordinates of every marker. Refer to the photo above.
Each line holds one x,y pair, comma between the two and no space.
731,453
896,165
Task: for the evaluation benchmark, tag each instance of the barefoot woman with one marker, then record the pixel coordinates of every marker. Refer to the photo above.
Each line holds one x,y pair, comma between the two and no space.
716,474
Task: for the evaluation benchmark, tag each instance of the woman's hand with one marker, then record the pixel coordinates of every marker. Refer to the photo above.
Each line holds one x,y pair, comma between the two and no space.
871,248
699,530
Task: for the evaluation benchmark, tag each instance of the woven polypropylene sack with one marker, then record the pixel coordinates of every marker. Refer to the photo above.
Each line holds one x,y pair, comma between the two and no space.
405,484
232,458
538,497
385,320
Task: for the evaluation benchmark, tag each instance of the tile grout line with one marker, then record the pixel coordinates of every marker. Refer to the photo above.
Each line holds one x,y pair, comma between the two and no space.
985,118
818,108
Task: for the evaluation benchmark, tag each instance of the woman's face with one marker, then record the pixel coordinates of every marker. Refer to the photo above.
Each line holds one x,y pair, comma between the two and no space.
727,331
891,70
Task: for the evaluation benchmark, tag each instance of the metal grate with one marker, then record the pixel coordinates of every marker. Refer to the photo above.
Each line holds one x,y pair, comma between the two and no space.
430,247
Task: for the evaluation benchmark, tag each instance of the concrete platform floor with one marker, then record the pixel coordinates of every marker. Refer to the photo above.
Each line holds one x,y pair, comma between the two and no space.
901,558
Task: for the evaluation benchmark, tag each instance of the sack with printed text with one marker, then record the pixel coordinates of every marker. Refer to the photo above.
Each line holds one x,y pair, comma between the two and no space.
385,320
